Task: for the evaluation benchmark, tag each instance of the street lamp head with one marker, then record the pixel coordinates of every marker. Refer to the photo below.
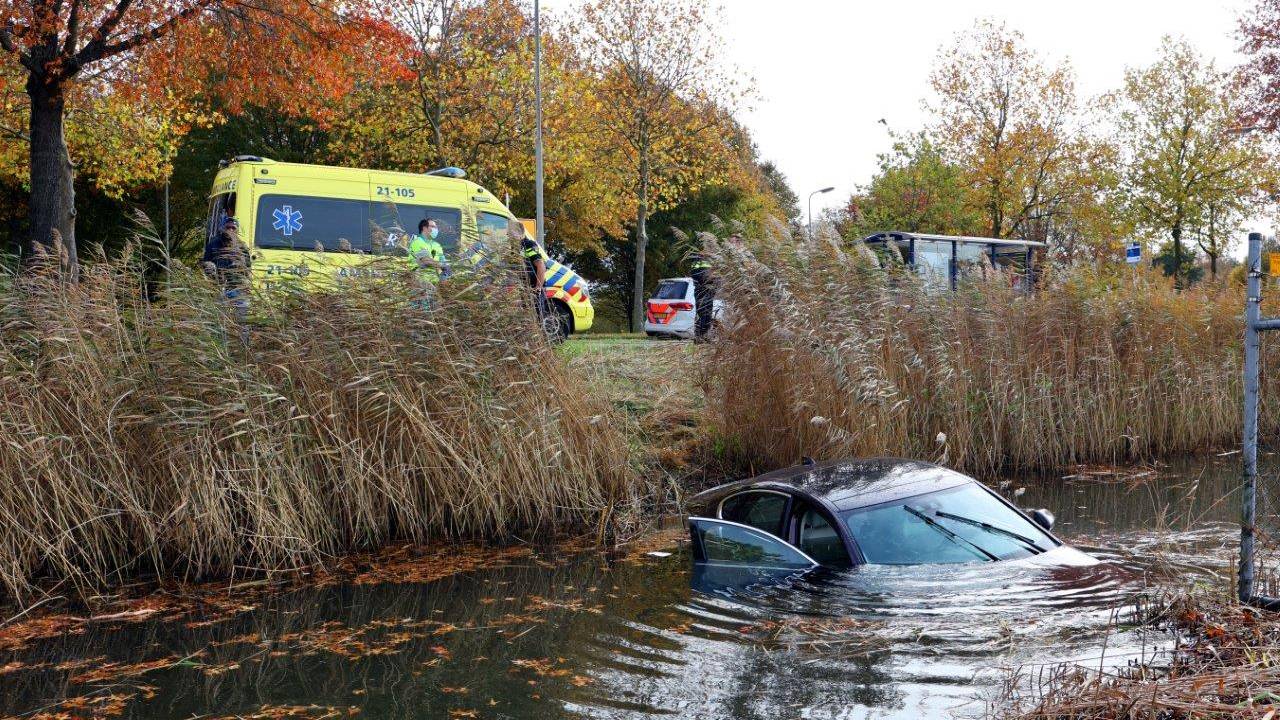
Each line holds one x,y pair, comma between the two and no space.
826,190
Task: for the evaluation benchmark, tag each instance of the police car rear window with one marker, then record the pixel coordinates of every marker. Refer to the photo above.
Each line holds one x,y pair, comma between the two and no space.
673,290
308,223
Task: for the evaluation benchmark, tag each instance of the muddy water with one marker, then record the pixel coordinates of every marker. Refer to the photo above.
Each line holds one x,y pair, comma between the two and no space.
588,636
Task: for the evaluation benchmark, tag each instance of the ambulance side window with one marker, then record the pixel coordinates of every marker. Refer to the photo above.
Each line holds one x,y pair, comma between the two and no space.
297,222
389,220
493,227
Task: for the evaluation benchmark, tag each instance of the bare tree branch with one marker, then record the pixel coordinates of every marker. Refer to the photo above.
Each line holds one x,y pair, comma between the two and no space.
98,48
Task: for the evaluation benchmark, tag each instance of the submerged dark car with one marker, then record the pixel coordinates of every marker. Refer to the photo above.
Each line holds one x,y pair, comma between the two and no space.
883,511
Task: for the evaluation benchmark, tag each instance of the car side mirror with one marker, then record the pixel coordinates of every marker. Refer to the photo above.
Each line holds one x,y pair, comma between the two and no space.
1043,518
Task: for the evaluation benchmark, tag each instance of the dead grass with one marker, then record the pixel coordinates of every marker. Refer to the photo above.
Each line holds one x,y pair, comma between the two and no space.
829,355
145,437
1226,664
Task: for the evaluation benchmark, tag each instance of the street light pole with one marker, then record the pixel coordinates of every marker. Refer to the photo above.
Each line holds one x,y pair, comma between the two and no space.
823,191
537,104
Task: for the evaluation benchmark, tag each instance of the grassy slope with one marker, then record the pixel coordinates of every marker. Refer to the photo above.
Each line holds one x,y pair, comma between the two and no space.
655,384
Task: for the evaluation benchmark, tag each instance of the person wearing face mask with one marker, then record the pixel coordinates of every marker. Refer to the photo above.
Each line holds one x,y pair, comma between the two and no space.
426,254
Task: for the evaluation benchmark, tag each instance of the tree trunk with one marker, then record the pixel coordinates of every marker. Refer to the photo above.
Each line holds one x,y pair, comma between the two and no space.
1213,242
1177,256
642,241
52,193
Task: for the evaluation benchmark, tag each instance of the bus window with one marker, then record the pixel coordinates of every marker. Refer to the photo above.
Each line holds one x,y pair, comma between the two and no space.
387,221
220,208
972,260
295,222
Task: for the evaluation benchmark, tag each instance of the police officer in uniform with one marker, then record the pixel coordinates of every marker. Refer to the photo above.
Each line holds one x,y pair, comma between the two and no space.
704,293
535,269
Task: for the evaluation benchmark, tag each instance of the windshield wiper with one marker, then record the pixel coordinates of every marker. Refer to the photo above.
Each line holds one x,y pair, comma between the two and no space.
948,533
993,529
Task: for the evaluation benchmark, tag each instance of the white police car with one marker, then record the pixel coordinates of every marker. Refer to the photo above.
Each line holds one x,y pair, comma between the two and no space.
672,310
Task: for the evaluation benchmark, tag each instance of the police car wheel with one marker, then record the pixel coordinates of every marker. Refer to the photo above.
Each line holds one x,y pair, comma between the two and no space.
557,324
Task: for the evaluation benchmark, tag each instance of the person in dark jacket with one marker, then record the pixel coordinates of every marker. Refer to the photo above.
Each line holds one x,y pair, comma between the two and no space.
227,261
704,294
535,268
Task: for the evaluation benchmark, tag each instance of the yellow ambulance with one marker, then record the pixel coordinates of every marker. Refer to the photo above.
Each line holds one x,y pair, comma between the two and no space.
315,225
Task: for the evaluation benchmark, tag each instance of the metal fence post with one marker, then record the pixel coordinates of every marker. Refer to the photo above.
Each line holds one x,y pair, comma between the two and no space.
1254,324
1249,452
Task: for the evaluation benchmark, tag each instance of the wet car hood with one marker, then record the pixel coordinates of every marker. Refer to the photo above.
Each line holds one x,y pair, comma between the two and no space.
1061,556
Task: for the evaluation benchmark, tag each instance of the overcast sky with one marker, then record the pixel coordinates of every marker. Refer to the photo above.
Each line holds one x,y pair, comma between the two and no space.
827,71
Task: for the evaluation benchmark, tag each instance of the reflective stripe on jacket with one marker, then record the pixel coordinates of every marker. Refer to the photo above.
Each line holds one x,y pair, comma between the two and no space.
422,249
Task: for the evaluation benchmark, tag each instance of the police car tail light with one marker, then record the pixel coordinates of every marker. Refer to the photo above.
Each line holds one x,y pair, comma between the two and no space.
681,306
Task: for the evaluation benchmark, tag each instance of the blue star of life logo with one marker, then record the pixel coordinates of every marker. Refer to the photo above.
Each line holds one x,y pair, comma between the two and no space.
287,220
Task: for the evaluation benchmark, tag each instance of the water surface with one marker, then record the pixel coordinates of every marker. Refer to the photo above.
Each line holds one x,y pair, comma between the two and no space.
557,635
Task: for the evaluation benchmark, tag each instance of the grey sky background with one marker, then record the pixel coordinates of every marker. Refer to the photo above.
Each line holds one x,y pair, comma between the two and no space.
827,71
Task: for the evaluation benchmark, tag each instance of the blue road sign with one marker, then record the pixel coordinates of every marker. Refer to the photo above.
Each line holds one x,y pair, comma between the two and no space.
1133,253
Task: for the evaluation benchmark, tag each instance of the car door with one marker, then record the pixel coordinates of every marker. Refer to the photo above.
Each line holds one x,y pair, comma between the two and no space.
729,544
815,532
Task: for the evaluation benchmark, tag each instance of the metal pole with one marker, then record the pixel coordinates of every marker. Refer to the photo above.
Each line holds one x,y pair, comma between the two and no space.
537,103
823,191
809,228
167,246
1249,453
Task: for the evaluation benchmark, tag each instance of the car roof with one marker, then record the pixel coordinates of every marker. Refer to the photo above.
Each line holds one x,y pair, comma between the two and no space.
850,484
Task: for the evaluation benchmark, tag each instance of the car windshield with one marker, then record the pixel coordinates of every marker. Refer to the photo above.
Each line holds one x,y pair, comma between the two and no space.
671,290
961,524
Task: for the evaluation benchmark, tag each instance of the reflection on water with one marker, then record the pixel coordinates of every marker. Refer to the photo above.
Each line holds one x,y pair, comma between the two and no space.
582,636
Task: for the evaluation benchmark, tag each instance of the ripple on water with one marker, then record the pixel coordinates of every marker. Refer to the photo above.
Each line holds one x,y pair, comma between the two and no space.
555,636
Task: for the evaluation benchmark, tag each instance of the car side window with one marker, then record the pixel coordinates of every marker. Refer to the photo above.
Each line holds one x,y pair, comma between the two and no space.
720,543
816,536
759,509
389,221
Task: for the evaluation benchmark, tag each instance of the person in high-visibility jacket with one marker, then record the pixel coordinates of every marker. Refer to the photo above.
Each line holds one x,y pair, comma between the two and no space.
704,294
426,253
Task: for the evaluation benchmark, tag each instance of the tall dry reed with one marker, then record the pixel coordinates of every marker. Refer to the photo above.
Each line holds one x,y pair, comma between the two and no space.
829,354
150,436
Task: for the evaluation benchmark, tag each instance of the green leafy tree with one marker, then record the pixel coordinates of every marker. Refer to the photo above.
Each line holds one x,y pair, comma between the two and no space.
1016,128
1216,231
788,201
1185,159
1178,263
663,99
915,190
